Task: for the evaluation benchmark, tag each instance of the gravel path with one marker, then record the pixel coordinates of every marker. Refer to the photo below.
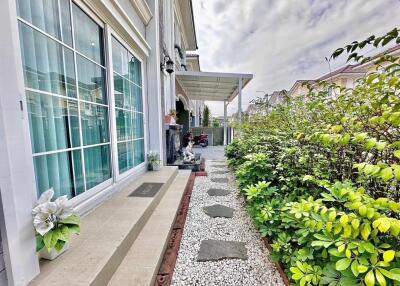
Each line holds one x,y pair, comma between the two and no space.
257,270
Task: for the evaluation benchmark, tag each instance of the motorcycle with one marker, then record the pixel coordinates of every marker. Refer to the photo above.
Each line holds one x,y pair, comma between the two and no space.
201,140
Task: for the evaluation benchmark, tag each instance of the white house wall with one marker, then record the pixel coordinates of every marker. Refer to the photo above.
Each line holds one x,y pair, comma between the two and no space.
17,183
133,15
17,180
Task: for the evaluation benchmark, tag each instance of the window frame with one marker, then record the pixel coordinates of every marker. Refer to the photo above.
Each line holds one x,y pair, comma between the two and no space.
110,33
88,193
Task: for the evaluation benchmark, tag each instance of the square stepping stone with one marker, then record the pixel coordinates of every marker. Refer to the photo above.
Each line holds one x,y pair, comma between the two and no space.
219,166
220,172
218,192
220,180
219,211
214,250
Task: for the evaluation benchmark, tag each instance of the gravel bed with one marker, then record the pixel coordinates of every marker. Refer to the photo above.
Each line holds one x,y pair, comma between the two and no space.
257,270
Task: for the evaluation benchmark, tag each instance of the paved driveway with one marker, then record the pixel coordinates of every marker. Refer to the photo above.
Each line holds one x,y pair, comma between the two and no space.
211,152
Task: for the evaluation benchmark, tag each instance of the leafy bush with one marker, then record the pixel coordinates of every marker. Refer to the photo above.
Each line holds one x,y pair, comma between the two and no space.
321,178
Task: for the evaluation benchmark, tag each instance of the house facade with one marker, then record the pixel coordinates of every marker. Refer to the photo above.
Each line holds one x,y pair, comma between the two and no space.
345,76
84,93
178,42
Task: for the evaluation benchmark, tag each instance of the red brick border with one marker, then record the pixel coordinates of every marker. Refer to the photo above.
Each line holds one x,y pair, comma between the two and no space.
166,270
278,265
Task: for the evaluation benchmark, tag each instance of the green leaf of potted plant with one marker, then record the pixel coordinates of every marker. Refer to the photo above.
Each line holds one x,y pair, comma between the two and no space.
54,222
153,161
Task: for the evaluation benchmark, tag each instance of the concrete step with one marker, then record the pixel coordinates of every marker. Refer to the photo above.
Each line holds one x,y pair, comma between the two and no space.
140,266
106,236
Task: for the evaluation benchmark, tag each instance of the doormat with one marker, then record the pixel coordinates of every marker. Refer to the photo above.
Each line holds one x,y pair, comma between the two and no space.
146,190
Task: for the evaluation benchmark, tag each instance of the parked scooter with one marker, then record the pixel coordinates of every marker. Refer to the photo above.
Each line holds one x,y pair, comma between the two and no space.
201,140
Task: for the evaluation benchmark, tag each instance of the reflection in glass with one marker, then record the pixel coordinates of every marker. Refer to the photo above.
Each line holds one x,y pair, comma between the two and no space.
136,93
139,151
78,172
135,72
54,171
122,94
124,125
48,66
46,15
53,122
125,156
138,125
91,81
97,165
120,58
88,36
94,124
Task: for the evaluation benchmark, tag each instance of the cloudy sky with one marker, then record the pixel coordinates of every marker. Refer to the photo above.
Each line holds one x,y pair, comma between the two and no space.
281,41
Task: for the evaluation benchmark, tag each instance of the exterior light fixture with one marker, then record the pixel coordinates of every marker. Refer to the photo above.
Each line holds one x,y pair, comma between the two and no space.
169,65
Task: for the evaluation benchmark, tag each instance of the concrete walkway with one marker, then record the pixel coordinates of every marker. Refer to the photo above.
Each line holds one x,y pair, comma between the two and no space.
211,152
219,249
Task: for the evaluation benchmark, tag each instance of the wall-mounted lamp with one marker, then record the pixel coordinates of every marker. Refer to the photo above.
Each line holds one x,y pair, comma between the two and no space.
168,64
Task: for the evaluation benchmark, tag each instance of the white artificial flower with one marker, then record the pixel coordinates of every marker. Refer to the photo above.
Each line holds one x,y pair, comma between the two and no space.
45,197
45,217
64,208
46,213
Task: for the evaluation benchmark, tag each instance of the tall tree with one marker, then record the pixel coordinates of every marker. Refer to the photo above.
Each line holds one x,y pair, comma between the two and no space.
206,116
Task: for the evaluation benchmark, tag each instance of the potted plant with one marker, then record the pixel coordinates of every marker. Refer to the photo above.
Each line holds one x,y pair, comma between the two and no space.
54,222
153,161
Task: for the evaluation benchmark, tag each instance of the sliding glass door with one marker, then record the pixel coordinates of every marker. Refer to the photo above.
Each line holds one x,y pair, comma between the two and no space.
127,82
63,55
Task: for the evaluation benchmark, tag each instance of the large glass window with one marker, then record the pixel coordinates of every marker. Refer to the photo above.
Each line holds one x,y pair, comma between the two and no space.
128,107
63,59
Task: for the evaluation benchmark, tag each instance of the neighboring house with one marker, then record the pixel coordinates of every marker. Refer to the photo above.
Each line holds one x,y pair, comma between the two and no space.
370,66
252,110
261,106
345,76
299,88
342,77
85,86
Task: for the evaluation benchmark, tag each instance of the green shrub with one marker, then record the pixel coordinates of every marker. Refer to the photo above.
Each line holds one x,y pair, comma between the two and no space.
321,178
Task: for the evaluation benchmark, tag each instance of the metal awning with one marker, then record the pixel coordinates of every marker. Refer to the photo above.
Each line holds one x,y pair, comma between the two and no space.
212,86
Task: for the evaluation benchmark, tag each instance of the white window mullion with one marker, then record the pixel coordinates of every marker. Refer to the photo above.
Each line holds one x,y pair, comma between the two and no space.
111,104
78,103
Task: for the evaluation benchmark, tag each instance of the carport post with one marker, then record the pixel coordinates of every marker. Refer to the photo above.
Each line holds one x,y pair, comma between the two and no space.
225,123
240,100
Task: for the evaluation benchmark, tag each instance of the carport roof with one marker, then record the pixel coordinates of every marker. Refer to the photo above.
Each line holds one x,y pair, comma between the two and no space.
212,86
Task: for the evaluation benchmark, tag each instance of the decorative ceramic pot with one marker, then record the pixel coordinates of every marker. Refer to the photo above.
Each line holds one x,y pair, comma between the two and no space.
53,254
156,167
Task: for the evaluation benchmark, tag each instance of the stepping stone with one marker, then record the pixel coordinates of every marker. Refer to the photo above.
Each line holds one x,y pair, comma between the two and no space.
220,180
214,250
220,172
219,211
218,192
219,166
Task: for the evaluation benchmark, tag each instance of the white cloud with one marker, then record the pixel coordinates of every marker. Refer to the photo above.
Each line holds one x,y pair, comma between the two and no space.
282,41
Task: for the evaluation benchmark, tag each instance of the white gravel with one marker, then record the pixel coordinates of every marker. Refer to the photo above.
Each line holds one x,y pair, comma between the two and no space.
257,270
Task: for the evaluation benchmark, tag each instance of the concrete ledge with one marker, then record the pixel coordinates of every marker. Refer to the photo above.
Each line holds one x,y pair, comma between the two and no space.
107,234
143,260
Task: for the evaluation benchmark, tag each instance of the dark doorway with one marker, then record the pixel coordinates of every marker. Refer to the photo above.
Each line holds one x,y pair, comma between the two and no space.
183,116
